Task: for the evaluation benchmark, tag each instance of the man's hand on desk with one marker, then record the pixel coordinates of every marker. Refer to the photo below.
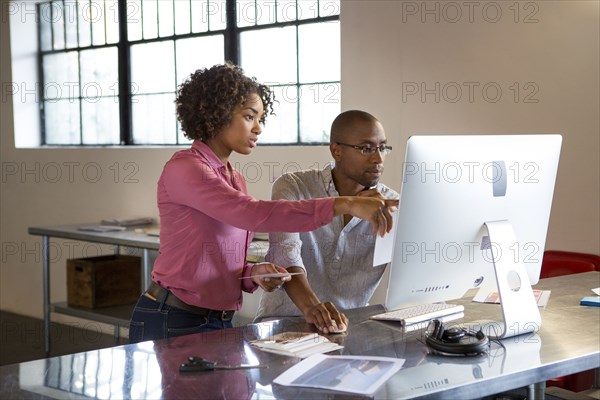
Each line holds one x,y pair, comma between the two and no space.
326,318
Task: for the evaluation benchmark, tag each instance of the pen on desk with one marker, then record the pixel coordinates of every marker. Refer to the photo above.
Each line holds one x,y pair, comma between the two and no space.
198,364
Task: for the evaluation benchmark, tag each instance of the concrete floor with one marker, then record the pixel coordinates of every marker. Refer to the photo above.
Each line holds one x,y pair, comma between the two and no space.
22,339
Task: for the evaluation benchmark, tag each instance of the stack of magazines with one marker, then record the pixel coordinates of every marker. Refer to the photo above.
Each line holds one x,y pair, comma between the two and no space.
296,344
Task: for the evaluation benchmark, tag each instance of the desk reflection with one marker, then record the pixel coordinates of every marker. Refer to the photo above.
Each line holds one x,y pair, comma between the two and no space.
442,373
151,369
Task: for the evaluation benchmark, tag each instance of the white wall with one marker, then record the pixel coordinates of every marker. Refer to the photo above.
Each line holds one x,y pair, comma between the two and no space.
388,48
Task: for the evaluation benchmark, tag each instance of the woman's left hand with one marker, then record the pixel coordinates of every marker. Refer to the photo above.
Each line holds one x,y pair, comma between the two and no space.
269,283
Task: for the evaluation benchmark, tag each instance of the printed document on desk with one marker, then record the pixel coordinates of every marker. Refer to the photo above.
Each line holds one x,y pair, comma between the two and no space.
351,374
541,297
296,344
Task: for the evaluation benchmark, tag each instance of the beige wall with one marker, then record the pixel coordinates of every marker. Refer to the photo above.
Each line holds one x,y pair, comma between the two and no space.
388,48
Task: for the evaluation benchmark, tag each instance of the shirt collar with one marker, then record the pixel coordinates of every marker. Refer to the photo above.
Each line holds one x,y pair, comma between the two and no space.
209,155
328,179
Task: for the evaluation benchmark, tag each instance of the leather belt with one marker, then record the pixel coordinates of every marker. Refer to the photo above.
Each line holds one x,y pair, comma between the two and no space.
157,293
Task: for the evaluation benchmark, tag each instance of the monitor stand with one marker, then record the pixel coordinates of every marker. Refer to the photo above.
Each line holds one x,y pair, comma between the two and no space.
519,307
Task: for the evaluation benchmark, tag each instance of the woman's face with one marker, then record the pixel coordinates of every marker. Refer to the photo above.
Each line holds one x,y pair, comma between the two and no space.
242,133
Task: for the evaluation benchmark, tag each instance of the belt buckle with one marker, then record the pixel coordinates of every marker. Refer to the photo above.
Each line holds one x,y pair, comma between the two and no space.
225,315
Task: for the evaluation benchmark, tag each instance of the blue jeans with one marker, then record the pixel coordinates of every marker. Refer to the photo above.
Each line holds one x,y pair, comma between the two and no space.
155,320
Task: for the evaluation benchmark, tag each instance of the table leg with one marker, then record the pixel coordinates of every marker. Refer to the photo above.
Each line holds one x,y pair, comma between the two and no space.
46,269
537,391
145,269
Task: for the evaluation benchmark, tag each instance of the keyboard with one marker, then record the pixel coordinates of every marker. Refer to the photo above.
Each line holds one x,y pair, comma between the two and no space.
420,313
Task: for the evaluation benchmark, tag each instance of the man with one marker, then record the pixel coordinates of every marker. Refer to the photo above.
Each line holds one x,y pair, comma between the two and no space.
336,259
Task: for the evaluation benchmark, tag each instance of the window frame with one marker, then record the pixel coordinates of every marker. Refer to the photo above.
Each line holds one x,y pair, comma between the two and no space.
232,50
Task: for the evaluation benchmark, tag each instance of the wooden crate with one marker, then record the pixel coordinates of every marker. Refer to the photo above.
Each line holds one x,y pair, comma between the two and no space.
103,281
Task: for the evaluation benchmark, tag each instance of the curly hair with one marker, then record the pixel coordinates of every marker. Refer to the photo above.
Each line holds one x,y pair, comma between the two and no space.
207,99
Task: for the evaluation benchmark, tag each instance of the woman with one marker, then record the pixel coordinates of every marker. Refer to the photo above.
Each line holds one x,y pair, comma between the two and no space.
207,219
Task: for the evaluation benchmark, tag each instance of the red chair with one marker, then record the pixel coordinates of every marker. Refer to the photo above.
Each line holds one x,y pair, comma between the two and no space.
557,263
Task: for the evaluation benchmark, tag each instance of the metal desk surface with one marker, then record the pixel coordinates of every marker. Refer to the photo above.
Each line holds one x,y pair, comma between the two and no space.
568,342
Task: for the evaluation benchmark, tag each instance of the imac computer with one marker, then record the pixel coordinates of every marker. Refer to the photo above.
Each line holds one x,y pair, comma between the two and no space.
473,213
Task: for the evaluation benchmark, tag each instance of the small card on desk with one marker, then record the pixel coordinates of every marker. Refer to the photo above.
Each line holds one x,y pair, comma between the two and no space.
593,301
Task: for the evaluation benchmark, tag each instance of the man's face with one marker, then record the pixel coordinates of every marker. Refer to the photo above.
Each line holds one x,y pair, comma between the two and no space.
362,167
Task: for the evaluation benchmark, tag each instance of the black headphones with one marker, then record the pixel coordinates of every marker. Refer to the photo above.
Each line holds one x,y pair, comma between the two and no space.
455,341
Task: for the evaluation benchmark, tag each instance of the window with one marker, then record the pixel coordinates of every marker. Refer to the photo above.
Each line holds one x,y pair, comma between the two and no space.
109,70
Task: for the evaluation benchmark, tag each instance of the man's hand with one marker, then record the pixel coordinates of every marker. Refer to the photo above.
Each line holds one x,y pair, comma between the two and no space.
326,318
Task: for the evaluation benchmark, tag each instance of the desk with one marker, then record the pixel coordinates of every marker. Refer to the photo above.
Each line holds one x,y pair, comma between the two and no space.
118,316
568,342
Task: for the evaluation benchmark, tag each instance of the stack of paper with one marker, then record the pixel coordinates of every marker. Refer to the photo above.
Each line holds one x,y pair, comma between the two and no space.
296,344
128,221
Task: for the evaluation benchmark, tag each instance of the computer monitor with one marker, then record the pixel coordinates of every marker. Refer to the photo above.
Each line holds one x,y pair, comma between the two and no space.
474,212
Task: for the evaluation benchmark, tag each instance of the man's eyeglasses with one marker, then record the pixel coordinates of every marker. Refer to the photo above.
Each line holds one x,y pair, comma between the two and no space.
369,150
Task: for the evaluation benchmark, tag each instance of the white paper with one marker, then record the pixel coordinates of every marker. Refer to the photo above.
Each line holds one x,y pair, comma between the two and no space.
352,374
384,246
541,297
296,344
597,291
